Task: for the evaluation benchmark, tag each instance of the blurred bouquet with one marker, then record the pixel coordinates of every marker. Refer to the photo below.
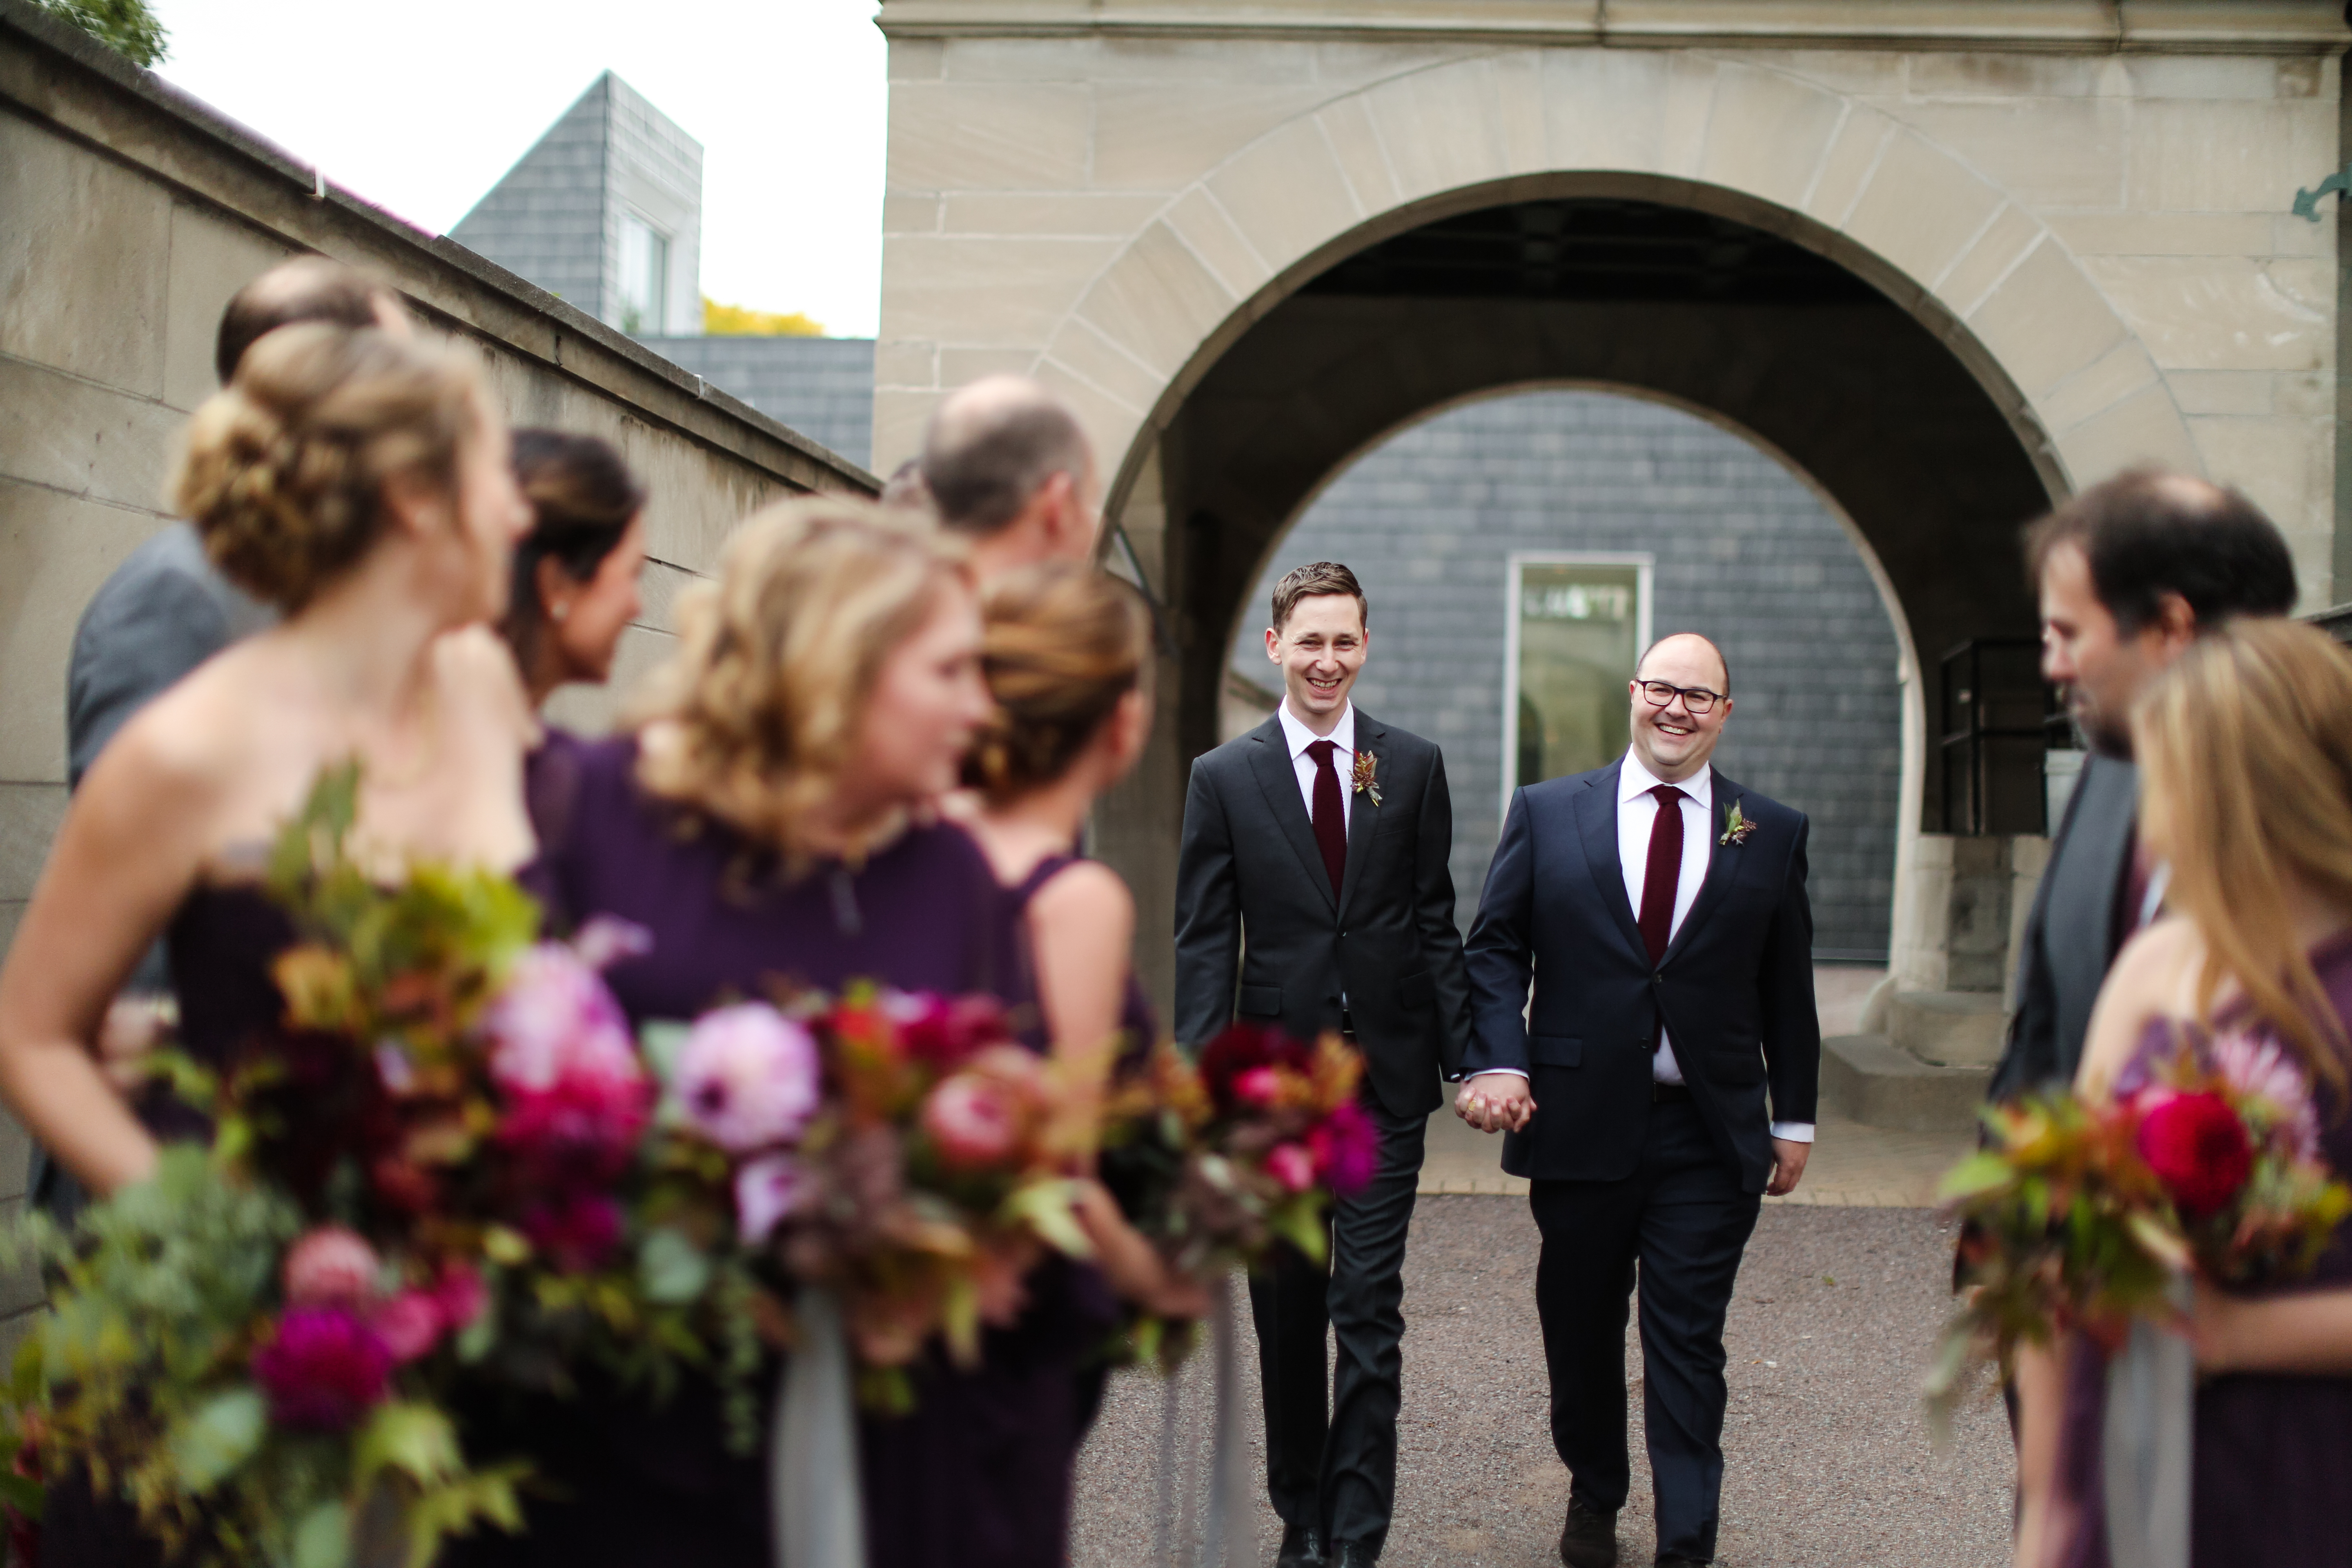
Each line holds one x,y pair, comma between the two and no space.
2079,1217
900,1150
1216,1160
417,1182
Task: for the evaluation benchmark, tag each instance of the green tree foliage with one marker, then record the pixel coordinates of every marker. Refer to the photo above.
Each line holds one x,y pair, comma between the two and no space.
127,26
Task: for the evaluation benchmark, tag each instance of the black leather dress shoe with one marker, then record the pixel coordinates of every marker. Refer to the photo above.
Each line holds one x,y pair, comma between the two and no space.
1355,1554
1674,1560
1589,1539
1302,1547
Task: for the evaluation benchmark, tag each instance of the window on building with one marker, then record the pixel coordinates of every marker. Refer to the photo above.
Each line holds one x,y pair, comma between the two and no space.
1577,623
645,275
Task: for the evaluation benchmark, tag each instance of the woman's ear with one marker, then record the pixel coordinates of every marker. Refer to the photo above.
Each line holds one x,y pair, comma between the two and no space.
417,506
553,587
1131,725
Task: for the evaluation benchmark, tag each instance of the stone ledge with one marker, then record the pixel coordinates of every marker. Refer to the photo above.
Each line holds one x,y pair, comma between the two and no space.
2069,27
1865,1077
1947,1028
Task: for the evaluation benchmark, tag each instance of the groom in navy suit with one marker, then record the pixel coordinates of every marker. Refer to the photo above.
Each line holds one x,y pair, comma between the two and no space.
1660,909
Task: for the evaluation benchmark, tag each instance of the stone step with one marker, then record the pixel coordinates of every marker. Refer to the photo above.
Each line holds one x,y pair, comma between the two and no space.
1948,1028
1864,1079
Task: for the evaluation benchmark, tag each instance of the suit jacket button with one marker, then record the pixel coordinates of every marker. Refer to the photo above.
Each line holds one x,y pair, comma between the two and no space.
1659,978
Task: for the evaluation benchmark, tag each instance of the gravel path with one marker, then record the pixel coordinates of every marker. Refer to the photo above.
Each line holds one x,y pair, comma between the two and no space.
1827,1458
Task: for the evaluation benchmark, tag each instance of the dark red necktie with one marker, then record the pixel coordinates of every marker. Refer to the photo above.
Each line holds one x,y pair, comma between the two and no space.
1665,874
1330,814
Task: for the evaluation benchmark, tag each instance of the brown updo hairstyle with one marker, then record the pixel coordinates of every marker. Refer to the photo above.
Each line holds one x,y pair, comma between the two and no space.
754,718
283,470
583,499
1065,643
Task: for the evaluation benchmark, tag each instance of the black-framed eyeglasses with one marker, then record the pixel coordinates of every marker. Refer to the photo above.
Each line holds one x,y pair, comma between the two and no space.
1698,699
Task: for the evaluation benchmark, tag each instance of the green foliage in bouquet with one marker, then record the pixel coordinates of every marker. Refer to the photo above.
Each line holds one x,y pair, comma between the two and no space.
2080,1217
431,1181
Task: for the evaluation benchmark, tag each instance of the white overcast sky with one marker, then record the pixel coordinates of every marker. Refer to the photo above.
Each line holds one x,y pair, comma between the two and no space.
420,107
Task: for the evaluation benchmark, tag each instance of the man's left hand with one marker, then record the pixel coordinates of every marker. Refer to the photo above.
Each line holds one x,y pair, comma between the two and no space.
1787,1166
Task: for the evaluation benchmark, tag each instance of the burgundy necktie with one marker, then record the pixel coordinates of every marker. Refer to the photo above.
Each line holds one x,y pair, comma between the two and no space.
1665,874
1330,814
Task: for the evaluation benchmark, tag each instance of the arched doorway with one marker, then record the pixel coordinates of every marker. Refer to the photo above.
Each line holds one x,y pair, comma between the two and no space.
1919,446
1518,549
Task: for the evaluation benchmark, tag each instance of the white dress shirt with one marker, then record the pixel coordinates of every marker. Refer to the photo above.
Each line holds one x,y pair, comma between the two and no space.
1343,760
1637,815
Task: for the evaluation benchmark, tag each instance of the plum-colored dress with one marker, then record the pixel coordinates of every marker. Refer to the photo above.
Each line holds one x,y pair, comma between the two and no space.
2273,1452
980,1474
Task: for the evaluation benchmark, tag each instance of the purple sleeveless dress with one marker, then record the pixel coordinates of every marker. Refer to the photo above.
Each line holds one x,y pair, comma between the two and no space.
2272,1466
980,1473
221,944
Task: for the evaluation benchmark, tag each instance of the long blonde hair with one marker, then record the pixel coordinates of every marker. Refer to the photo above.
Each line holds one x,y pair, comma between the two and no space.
2245,755
754,718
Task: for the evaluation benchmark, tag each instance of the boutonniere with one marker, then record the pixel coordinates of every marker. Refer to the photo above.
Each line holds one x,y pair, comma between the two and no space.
1735,827
1368,776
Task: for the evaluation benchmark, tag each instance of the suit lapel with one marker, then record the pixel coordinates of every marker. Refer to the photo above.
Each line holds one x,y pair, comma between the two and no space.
1362,814
1596,819
1270,761
1723,863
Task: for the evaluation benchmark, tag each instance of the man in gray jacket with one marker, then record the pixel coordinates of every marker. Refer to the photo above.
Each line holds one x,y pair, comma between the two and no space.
2129,572
167,609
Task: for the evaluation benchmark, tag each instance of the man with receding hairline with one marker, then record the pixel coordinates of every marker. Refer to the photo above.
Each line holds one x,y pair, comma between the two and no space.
1659,1082
1007,465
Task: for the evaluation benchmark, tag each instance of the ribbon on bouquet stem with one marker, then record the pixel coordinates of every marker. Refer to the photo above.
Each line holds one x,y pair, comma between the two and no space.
1229,1542
2144,1444
813,1482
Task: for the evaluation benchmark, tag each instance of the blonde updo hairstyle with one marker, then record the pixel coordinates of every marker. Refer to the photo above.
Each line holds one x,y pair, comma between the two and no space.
755,717
283,470
2244,747
1064,645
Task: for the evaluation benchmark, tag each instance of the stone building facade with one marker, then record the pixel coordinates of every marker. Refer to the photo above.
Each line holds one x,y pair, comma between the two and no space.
2064,233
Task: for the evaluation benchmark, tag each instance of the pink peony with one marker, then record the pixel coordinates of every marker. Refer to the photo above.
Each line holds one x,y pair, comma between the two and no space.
1292,1165
578,1234
555,1020
323,1370
409,1324
943,1031
765,1190
1245,1047
460,1295
583,1129
749,1078
331,1267
974,1122
2197,1148
1346,1150
2264,1070
1258,1085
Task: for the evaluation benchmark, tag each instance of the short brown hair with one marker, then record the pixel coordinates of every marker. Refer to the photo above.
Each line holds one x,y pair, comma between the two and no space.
1314,580
283,471
307,288
2147,533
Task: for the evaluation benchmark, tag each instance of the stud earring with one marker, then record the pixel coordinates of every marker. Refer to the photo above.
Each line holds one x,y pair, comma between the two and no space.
562,610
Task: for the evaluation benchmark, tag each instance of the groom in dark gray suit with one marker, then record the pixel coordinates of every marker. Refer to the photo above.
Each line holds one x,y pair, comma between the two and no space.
1312,893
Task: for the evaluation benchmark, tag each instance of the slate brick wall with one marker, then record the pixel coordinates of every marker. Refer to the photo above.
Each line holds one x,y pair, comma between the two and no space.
1744,553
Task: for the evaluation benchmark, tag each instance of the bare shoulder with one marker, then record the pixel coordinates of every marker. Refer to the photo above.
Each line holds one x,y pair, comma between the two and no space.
2148,980
2153,961
473,668
1087,892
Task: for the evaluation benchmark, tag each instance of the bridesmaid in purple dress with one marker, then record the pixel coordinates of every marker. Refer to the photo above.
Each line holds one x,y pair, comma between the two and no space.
358,482
767,820
2245,754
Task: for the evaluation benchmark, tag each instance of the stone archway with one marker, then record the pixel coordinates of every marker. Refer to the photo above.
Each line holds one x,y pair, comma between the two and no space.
1133,203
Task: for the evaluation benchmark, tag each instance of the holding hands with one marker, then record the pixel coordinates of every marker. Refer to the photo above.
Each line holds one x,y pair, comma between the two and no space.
1495,1102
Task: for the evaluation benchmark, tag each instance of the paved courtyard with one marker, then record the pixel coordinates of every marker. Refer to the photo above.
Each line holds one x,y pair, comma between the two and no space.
1828,1459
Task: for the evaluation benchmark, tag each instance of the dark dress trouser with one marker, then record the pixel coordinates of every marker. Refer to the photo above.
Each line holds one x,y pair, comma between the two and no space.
1683,1218
1336,1472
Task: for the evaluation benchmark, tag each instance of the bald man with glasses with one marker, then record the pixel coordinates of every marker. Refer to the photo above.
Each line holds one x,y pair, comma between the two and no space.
1660,1081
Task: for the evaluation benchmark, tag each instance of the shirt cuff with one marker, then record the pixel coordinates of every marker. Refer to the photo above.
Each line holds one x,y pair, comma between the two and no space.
1482,1072
1793,1132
